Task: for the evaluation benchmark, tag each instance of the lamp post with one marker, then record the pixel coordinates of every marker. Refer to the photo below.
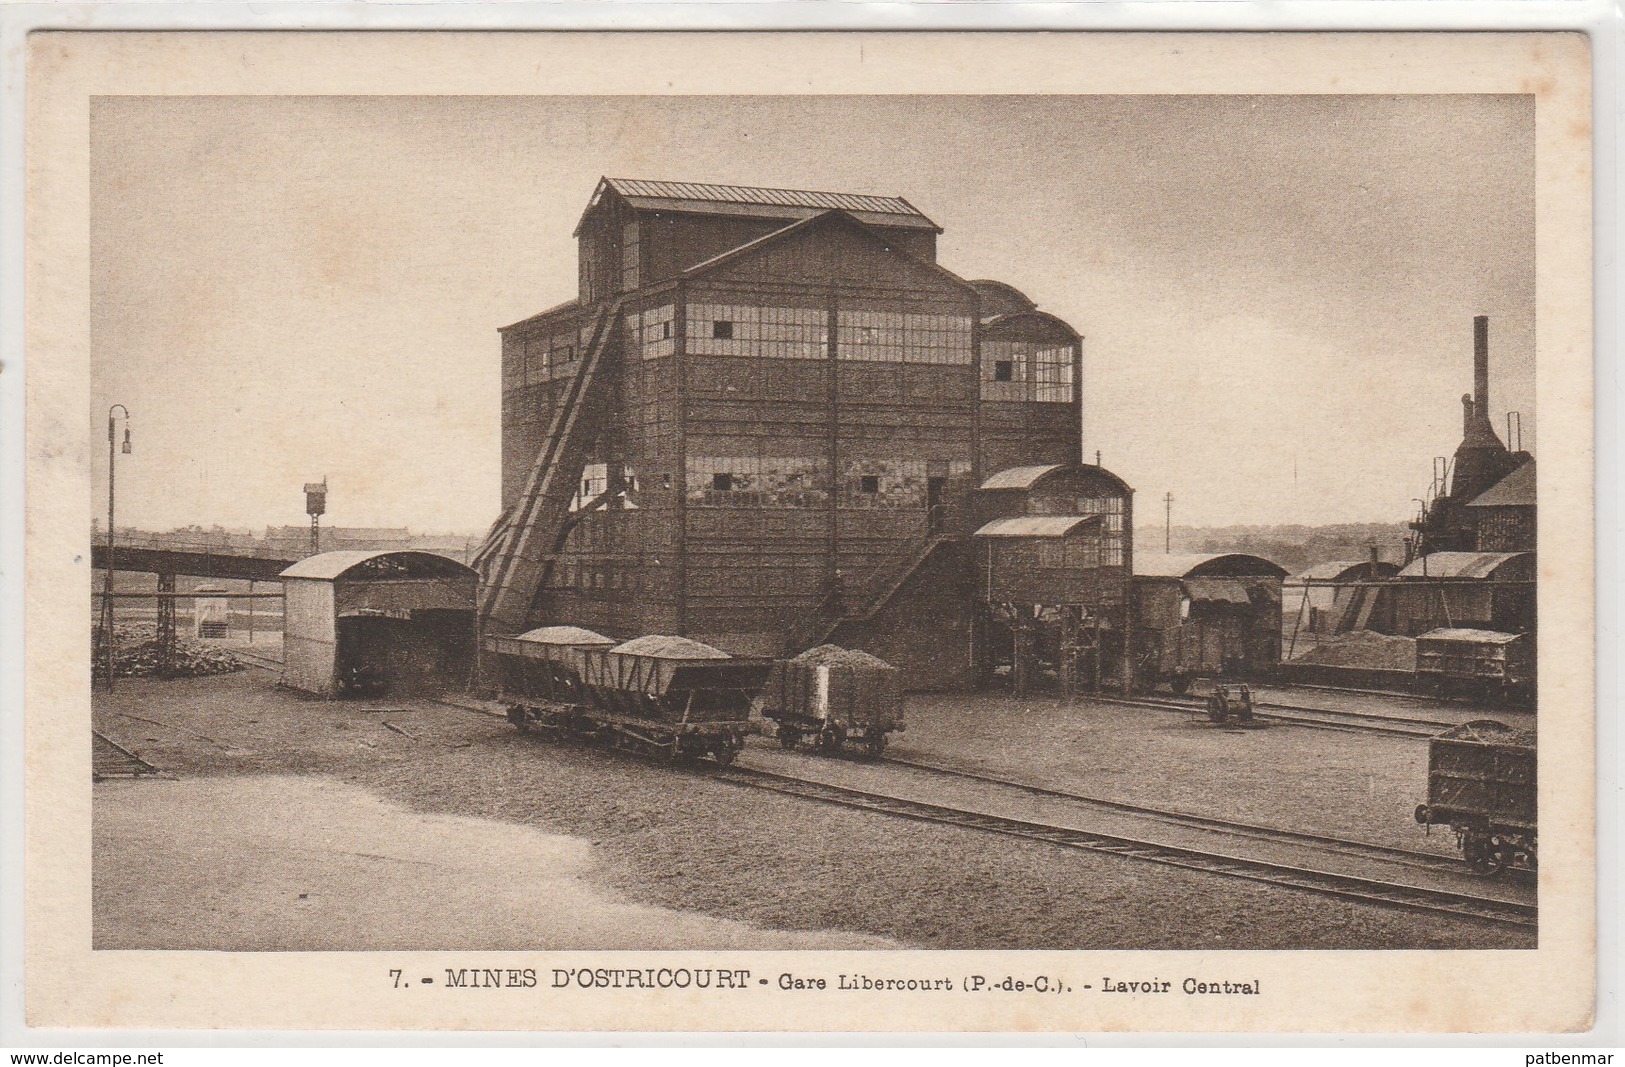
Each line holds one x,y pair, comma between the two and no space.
107,581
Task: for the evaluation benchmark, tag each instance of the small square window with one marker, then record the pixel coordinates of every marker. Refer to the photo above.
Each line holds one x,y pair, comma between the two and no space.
722,329
722,483
869,483
1004,370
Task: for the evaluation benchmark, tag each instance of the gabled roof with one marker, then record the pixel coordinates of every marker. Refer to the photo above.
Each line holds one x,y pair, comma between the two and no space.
1459,564
823,218
1515,490
758,202
1212,564
1036,525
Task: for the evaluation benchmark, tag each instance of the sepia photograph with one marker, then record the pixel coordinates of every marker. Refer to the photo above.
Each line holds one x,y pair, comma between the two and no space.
656,522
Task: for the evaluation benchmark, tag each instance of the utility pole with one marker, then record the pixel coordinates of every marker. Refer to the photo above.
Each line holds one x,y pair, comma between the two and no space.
1168,523
107,581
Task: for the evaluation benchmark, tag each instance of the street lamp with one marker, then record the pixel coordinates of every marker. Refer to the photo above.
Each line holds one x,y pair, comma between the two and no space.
107,582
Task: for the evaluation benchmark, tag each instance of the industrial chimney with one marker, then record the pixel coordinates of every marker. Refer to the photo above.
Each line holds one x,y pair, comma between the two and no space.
1481,459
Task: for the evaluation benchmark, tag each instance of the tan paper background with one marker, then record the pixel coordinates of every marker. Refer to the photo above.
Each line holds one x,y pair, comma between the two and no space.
68,984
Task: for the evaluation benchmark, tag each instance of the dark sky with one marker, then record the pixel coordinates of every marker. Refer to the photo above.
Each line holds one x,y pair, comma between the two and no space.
1276,292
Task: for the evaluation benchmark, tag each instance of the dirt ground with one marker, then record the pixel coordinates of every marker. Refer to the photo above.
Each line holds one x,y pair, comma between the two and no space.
563,829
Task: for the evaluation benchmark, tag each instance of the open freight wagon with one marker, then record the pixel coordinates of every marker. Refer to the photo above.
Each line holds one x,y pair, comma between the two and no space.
665,696
834,696
1481,784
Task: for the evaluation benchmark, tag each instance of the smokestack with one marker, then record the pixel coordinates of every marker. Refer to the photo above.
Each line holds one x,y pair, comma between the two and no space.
1481,365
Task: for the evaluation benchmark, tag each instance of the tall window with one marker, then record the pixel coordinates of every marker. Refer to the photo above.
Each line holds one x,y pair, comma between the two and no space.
1053,380
650,332
630,252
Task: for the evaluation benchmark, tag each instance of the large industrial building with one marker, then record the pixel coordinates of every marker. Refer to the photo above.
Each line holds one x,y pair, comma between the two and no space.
763,422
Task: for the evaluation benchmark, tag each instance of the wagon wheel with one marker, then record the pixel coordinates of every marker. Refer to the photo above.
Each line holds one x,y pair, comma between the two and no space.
1482,854
726,750
875,743
520,718
789,738
831,740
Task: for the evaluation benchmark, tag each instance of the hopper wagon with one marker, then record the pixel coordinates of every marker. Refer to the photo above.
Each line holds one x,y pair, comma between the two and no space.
669,697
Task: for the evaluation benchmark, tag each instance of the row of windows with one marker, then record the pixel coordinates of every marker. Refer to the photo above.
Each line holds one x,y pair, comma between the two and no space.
540,359
896,337
803,482
803,333
774,332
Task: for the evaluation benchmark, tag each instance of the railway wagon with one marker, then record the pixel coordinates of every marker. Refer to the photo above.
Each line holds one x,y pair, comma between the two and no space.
1476,663
668,697
542,664
835,697
1481,784
1205,615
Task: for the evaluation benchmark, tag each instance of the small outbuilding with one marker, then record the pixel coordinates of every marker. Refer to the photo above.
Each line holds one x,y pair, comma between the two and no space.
377,622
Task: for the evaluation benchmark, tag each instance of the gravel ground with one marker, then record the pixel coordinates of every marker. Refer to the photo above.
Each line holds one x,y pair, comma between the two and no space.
1359,786
669,838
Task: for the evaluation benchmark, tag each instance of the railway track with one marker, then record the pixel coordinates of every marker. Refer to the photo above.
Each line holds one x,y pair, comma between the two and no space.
1361,849
1347,887
1295,715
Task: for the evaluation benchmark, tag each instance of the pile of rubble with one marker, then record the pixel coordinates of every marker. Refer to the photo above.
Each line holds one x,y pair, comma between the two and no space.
136,655
1365,649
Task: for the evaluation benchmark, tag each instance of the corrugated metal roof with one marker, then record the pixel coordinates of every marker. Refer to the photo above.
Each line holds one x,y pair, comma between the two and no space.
329,566
1019,477
568,636
1515,490
1035,525
1487,637
661,646
1459,564
1179,564
746,194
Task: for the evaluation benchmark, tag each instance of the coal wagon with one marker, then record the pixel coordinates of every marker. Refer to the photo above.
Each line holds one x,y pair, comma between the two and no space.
1481,784
1484,664
834,697
669,697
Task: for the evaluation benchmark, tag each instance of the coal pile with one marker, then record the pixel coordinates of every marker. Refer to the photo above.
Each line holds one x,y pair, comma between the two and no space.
136,655
836,656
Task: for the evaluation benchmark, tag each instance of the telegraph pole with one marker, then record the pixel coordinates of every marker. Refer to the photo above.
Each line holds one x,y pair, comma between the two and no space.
1168,523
